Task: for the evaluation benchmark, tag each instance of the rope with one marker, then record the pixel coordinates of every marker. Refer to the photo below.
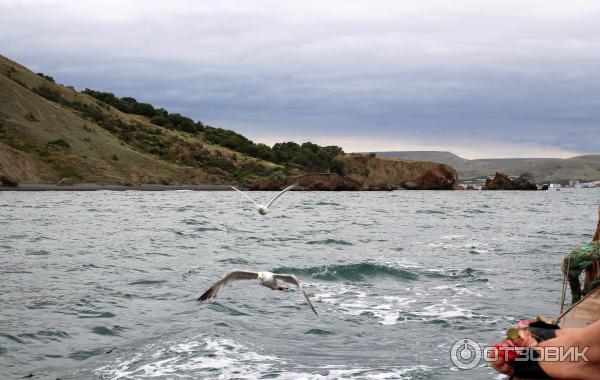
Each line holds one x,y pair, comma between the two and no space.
597,234
589,295
564,286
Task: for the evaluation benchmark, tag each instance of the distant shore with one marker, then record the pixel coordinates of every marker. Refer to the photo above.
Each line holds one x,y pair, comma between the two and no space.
99,187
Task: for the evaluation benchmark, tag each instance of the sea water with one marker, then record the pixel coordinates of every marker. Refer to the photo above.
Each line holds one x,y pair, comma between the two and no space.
104,284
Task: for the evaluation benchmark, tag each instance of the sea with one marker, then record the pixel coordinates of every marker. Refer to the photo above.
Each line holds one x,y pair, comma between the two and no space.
103,285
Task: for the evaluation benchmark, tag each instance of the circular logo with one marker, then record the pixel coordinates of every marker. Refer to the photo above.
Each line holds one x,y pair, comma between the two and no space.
465,353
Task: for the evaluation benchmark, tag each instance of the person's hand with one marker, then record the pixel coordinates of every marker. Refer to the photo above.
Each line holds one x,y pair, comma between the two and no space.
526,339
501,364
508,350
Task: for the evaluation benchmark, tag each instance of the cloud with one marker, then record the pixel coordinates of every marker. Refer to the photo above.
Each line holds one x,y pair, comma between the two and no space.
507,75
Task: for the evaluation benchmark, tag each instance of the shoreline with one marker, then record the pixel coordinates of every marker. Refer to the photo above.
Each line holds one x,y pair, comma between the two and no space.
151,187
144,187
108,187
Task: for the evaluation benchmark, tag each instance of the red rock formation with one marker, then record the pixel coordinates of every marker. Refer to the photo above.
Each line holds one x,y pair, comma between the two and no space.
502,182
438,178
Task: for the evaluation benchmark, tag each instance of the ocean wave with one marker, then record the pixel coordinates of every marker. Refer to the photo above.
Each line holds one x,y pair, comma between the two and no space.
234,260
350,272
444,303
42,335
224,358
339,372
364,271
435,211
202,356
148,282
205,229
330,242
357,303
466,273
194,222
323,203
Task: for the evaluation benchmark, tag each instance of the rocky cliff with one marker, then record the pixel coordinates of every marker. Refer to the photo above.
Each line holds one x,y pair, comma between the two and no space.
501,182
371,173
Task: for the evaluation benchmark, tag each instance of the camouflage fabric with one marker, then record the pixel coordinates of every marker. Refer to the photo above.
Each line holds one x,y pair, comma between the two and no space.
580,259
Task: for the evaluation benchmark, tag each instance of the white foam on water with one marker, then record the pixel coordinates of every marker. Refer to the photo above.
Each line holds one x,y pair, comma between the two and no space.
444,310
390,310
222,358
453,237
198,357
335,372
435,245
347,299
456,289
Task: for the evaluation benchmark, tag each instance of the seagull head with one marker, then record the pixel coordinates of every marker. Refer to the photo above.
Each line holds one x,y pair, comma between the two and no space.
262,209
265,277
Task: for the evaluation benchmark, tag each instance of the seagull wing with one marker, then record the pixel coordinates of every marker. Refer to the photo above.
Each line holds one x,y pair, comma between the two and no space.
278,195
291,279
236,275
246,195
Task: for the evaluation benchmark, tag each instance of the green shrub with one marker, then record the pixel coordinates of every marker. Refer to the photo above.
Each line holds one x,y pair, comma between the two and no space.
160,120
59,143
307,156
64,169
222,164
47,77
89,111
125,104
48,93
254,168
19,82
337,166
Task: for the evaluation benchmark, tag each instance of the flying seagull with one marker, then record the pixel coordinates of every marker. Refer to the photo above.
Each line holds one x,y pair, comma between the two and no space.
264,209
267,279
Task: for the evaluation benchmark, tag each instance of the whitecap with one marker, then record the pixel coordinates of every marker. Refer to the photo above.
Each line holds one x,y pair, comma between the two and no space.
202,356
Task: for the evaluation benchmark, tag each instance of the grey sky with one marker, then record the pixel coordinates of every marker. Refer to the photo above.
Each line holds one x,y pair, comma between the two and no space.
479,78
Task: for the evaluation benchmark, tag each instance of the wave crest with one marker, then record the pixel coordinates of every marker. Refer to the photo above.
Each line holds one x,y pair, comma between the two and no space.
350,272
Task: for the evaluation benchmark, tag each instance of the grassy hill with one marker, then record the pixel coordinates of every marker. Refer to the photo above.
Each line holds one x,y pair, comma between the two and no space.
50,132
583,168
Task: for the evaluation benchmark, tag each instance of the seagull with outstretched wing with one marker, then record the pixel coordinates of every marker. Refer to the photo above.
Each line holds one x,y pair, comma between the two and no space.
261,208
267,279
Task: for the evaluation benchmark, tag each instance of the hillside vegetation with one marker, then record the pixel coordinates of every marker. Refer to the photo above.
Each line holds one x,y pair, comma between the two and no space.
50,132
582,168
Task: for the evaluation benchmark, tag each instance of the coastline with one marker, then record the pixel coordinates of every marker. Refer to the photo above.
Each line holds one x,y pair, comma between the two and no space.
143,187
111,187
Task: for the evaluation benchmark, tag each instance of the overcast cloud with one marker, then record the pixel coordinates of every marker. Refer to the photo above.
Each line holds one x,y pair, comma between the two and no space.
479,78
